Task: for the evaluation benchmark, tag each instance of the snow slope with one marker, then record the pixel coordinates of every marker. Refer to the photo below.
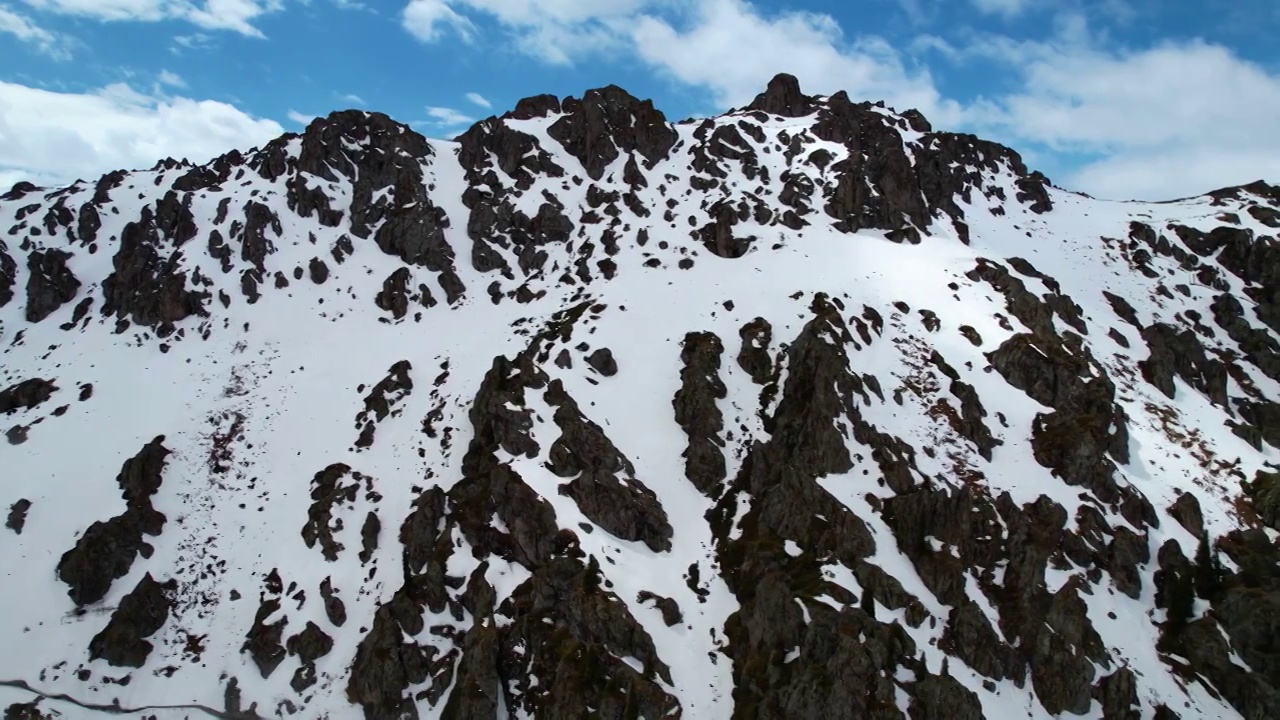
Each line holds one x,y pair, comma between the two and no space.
256,396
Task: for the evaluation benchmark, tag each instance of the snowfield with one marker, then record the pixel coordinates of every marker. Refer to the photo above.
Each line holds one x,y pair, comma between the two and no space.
256,399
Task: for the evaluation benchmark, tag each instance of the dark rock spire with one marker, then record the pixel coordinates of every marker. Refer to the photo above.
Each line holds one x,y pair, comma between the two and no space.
783,97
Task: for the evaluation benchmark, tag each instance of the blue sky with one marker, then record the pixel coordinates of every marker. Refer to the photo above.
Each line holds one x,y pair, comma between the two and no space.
1121,98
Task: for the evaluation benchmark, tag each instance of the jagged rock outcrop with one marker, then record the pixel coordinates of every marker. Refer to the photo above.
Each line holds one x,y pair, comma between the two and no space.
603,362
25,395
17,517
754,356
309,646
602,480
141,613
382,399
328,494
107,549
580,651
265,640
50,283
697,411
1180,353
8,274
607,123
26,711
146,286
783,97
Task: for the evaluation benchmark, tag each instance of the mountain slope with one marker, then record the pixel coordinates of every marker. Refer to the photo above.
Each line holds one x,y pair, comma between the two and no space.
802,411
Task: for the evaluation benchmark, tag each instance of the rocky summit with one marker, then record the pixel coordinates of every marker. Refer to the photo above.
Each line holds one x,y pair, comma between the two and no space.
803,411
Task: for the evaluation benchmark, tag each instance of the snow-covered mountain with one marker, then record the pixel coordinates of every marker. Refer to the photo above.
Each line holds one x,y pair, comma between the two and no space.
803,411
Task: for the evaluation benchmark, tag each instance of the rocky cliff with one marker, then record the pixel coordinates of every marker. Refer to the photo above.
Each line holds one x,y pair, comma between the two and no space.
803,411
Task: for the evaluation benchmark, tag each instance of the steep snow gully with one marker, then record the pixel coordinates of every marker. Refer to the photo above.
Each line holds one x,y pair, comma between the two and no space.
802,411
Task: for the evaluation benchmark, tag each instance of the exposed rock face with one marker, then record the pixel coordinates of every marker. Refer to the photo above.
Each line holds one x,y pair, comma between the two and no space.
608,122
17,434
754,356
394,297
603,480
107,549
17,518
327,494
385,160
146,286
382,399
309,646
1181,354
8,274
698,414
838,649
50,284
783,97
385,665
26,711
879,186
319,271
26,395
123,642
1186,510
1244,607
669,608
603,362
265,640
589,676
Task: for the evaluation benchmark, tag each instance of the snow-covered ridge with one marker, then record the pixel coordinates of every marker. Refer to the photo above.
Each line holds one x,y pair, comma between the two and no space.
806,410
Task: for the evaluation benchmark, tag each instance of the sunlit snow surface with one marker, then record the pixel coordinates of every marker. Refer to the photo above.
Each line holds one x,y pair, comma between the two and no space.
291,364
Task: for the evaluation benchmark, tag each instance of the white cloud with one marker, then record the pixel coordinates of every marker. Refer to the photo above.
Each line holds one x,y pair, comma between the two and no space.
1168,121
1168,174
171,79
24,29
426,20
300,118
1008,8
555,31
194,41
918,12
709,54
343,5
352,98
448,117
53,137
560,31
478,99
234,15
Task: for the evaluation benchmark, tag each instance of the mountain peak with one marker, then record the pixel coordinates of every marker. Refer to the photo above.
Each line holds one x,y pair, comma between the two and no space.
537,106
783,97
805,410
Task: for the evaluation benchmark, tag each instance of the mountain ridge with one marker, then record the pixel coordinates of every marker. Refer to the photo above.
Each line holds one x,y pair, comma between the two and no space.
414,428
